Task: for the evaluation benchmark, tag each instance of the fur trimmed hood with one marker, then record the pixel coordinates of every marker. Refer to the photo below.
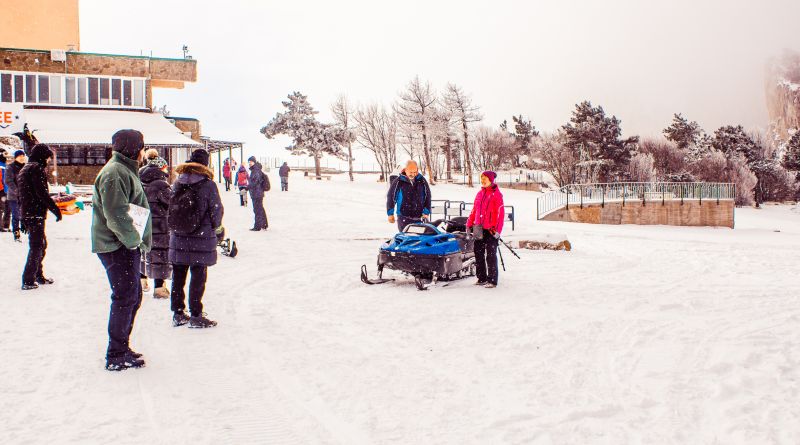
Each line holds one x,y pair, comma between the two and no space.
193,168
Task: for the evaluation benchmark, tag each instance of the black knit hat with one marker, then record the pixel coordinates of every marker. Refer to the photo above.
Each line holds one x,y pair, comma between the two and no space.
40,154
200,156
128,142
251,159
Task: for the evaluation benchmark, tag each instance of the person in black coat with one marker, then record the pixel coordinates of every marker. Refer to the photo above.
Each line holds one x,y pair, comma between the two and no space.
410,195
258,183
194,252
35,201
10,180
154,180
284,174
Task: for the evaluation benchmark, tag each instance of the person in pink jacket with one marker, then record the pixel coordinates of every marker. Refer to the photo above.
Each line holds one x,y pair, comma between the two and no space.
485,223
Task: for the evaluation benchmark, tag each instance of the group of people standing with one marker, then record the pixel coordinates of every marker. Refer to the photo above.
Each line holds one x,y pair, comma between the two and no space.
10,211
255,184
409,201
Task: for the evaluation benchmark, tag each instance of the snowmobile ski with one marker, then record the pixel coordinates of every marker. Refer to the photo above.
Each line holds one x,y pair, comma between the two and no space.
380,280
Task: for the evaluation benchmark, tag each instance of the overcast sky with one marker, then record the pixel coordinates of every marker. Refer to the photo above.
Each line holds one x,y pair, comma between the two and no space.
641,60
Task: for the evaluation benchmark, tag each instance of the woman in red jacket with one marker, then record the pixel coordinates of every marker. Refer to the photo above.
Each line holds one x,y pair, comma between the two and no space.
485,222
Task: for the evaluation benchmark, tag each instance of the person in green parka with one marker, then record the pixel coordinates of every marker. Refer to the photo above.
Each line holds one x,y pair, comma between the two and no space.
118,243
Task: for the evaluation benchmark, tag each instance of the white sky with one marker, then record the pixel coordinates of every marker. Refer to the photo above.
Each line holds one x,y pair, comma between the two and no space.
642,60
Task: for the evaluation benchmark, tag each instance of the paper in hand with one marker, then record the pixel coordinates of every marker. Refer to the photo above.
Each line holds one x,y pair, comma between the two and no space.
139,215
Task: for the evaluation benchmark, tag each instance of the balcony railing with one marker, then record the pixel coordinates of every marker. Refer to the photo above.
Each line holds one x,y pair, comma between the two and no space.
601,193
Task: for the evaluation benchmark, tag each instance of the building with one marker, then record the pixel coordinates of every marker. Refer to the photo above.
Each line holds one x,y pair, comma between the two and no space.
75,101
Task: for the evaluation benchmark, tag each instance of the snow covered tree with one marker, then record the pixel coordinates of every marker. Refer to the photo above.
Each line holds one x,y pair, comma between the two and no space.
791,154
342,113
414,108
524,132
491,147
556,157
309,136
465,113
730,140
376,130
682,132
668,159
604,155
641,168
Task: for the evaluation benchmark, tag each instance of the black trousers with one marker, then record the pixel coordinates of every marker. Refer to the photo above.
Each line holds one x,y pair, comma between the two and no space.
260,214
37,246
122,268
197,287
227,184
284,183
5,211
486,258
403,221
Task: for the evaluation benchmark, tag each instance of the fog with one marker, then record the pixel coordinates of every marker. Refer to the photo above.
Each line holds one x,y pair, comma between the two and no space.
641,60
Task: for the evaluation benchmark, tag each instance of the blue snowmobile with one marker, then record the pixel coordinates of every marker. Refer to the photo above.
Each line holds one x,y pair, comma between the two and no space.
430,252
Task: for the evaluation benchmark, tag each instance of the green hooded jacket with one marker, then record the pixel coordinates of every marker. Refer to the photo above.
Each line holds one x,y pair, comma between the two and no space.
118,185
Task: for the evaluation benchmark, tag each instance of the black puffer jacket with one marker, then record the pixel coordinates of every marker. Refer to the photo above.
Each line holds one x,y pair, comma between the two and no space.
158,191
34,192
10,178
200,246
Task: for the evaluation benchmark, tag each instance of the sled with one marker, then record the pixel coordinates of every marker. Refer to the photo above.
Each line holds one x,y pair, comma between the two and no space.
430,252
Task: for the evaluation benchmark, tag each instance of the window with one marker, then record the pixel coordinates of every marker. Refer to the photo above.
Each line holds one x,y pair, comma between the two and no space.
82,91
6,87
30,88
19,89
44,89
94,91
126,93
70,90
55,90
62,155
138,93
97,155
116,92
104,92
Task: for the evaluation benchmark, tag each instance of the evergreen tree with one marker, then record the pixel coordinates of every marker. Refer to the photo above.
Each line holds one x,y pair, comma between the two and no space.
791,155
524,132
310,137
731,140
682,132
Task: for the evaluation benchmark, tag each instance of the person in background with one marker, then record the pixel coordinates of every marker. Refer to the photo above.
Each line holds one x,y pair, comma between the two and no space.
485,222
10,180
257,184
5,208
410,195
119,244
284,173
35,201
154,178
194,251
242,183
226,174
149,155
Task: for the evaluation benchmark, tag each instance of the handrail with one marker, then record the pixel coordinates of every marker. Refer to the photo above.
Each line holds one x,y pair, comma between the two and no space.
600,193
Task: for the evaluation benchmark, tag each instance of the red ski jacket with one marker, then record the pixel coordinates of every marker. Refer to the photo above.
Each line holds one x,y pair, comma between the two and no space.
488,209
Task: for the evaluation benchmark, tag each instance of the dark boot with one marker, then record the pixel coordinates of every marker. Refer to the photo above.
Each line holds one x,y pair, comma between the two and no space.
43,280
201,322
179,318
30,286
122,363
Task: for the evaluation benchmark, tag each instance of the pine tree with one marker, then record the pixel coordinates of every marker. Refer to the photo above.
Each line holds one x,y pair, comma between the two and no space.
524,132
684,133
791,155
730,140
310,137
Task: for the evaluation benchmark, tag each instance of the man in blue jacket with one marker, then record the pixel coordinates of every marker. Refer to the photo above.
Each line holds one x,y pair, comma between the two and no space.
410,196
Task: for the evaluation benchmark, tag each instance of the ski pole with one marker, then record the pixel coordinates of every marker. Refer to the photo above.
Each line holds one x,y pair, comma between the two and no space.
502,263
509,248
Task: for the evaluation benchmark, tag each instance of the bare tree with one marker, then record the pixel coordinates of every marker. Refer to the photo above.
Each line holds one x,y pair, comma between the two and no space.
415,108
376,130
492,148
464,112
556,157
342,111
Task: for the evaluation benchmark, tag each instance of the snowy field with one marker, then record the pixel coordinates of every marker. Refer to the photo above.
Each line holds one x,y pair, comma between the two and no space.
640,335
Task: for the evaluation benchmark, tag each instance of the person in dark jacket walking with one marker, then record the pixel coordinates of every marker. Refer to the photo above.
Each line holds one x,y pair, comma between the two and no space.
157,266
242,183
284,173
121,231
10,180
194,252
35,201
5,208
486,218
410,196
258,183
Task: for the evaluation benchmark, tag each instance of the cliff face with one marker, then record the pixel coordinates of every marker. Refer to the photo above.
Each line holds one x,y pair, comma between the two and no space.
783,94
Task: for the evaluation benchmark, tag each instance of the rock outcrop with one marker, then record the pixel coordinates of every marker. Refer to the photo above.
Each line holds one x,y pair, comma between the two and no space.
783,94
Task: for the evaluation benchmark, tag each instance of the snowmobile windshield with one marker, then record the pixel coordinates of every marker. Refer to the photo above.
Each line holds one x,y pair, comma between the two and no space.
419,229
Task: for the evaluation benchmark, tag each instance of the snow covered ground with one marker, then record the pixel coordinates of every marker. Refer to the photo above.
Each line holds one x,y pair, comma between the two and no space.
640,335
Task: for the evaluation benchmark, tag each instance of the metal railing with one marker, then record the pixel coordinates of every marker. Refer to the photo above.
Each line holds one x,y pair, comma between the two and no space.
644,192
449,209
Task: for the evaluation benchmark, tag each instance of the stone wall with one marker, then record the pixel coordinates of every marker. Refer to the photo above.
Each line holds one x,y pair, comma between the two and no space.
672,213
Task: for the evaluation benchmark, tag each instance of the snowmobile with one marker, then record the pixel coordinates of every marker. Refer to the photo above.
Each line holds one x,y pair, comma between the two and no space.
430,252
228,248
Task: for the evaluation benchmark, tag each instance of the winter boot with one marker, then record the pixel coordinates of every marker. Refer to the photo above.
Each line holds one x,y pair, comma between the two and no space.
490,286
480,283
161,293
30,286
179,318
201,322
134,354
122,363
43,280
17,236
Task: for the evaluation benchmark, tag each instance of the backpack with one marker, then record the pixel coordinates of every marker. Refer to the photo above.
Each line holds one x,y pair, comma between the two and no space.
184,210
266,183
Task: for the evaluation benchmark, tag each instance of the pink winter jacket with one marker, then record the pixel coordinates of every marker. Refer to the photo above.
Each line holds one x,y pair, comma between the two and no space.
488,209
